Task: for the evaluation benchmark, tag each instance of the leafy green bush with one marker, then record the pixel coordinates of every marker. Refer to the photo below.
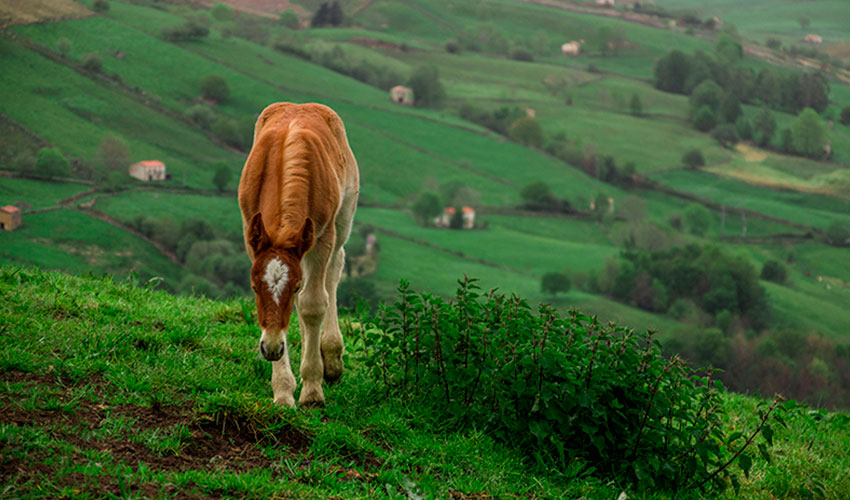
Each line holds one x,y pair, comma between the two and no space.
774,271
693,159
215,88
93,62
52,163
566,390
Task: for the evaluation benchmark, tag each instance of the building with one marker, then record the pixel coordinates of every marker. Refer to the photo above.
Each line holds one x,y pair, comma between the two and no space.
10,218
445,219
571,48
813,39
401,95
150,170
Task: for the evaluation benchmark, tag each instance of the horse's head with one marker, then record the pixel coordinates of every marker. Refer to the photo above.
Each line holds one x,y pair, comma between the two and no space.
276,279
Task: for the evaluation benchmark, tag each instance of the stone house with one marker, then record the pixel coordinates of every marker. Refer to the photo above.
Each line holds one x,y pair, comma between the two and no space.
10,218
571,48
445,219
401,95
149,170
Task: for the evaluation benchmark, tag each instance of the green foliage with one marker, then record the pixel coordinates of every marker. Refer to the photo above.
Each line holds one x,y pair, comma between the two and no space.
215,88
202,115
93,62
113,154
222,176
693,159
522,54
222,12
428,92
838,234
289,19
773,270
186,32
527,131
636,105
353,292
227,131
671,72
51,163
708,93
845,116
498,120
487,361
426,207
726,134
698,219
100,6
553,283
764,127
808,134
64,46
329,14
744,128
731,108
539,196
704,119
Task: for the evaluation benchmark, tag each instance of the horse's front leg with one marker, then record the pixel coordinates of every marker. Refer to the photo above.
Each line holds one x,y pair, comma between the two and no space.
283,381
311,305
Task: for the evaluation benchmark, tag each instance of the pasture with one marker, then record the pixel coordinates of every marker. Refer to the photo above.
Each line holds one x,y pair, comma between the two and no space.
141,393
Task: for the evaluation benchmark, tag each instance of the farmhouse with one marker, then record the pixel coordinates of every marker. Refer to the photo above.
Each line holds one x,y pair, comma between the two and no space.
467,218
605,3
813,39
571,48
10,218
401,95
150,170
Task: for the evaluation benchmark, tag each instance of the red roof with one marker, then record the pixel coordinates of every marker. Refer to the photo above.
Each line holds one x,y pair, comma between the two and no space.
151,164
10,209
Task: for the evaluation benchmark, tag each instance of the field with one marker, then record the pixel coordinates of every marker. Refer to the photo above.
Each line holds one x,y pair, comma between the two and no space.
140,393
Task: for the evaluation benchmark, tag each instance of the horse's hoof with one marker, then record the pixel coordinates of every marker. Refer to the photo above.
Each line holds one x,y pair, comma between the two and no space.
332,379
312,405
311,398
287,401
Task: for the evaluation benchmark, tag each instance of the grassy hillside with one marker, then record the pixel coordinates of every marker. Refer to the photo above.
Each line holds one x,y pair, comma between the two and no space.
134,392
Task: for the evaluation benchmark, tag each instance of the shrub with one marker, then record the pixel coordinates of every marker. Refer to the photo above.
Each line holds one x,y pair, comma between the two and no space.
838,234
188,31
726,134
52,163
522,54
774,43
808,134
774,271
704,119
553,283
636,105
222,176
452,46
426,207
845,116
93,62
201,115
538,196
113,154
226,130
698,219
222,12
289,19
567,390
428,92
744,128
527,131
693,159
101,6
215,88
64,46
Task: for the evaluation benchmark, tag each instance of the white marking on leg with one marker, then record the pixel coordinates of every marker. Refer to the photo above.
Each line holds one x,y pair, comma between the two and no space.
276,277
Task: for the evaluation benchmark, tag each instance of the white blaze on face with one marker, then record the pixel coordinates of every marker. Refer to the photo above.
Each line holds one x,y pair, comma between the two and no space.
276,277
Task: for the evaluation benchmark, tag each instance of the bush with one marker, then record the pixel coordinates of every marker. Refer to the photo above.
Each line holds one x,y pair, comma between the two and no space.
744,128
101,6
222,176
538,196
693,159
426,207
113,154
698,219
838,234
93,62
428,92
774,271
64,46
845,116
452,46
726,134
201,115
567,390
222,12
51,163
527,131
188,31
226,130
289,19
704,119
808,134
553,283
522,54
215,88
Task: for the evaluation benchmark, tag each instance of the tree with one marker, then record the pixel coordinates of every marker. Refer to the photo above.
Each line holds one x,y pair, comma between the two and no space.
113,154
64,46
768,88
744,128
222,12
100,6
222,176
527,131
426,207
320,18
289,19
704,119
808,134
845,116
215,88
538,196
726,134
51,163
731,108
728,49
554,283
335,15
708,93
636,105
672,71
428,92
693,159
698,219
774,271
764,127
838,234
93,62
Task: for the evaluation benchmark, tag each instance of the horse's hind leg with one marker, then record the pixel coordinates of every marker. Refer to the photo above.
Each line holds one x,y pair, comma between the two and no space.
332,345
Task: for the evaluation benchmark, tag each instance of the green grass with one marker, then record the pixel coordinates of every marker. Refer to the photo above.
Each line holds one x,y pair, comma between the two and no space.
127,384
36,194
75,242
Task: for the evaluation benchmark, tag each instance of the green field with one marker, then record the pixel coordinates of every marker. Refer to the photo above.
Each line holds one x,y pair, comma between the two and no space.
36,194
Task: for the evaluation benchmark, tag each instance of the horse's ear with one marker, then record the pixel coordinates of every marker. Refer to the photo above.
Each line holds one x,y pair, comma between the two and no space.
306,238
258,238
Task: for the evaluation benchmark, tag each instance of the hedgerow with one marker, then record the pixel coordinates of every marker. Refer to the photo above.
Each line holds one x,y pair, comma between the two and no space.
564,389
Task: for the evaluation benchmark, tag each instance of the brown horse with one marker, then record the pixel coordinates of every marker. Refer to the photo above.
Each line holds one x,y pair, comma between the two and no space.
298,194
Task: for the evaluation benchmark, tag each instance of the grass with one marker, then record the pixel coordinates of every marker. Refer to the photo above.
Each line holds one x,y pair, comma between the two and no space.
36,194
132,390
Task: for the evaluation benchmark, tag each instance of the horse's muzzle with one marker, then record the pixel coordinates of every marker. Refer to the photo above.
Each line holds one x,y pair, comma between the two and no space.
271,351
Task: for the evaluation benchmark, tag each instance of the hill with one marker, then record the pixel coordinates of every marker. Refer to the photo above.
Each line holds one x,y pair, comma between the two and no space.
758,205
109,388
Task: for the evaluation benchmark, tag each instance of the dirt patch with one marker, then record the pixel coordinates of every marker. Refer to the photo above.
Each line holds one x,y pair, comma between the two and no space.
264,8
750,153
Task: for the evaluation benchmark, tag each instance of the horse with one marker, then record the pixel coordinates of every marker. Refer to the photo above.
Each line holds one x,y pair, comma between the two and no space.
298,193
